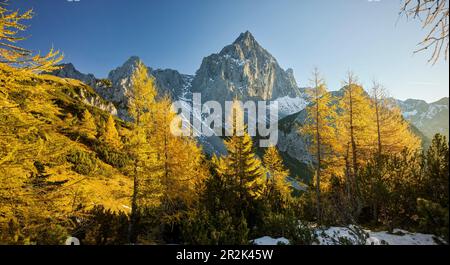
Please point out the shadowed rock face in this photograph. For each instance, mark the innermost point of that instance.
(244, 70)
(68, 71)
(291, 141)
(168, 82)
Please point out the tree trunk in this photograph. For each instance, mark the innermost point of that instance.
(131, 236)
(134, 205)
(377, 112)
(319, 214)
(356, 199)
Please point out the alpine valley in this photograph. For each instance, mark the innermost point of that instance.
(101, 160)
(243, 70)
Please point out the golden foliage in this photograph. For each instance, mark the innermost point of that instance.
(88, 125)
(277, 174)
(111, 135)
(11, 24)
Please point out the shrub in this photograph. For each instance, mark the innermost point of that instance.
(111, 156)
(288, 226)
(102, 227)
(433, 218)
(51, 234)
(203, 228)
(14, 233)
(83, 163)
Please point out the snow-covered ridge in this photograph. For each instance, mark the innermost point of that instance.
(286, 106)
(408, 114)
(290, 105)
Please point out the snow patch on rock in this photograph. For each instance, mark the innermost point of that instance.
(290, 105)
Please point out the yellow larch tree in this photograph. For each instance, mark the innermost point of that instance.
(146, 185)
(11, 24)
(27, 117)
(277, 188)
(111, 135)
(179, 163)
(320, 127)
(356, 135)
(88, 126)
(393, 131)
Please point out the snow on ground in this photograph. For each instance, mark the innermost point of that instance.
(269, 241)
(406, 239)
(357, 236)
(337, 235)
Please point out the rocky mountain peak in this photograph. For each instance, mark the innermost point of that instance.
(68, 70)
(244, 69)
(125, 70)
(68, 67)
(246, 39)
(245, 47)
(168, 82)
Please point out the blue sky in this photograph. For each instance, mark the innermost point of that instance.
(364, 36)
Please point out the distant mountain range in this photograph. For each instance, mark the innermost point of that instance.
(429, 118)
(247, 71)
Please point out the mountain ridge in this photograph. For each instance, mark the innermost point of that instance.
(243, 69)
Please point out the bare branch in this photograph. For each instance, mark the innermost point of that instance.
(436, 14)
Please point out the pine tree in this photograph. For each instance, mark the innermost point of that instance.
(88, 126)
(111, 136)
(241, 170)
(437, 174)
